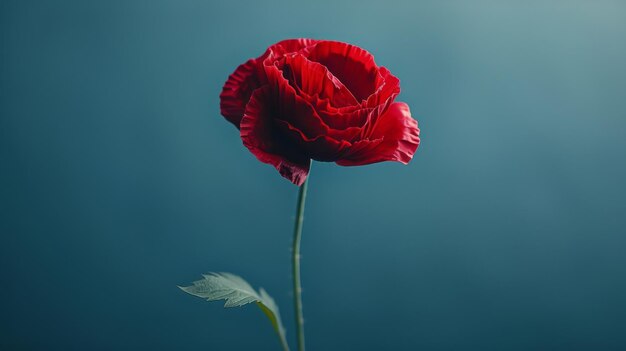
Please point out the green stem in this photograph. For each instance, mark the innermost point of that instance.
(295, 260)
(283, 343)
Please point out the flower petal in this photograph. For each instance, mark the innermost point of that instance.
(293, 108)
(314, 80)
(319, 148)
(291, 45)
(375, 105)
(353, 66)
(394, 137)
(300, 113)
(389, 86)
(249, 76)
(260, 135)
(237, 91)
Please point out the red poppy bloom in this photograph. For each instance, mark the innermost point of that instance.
(309, 99)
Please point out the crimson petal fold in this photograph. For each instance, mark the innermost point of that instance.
(353, 66)
(315, 80)
(395, 137)
(260, 135)
(237, 91)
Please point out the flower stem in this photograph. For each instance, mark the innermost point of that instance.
(295, 261)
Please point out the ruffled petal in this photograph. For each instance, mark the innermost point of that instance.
(249, 76)
(293, 108)
(314, 81)
(389, 86)
(367, 112)
(341, 119)
(394, 137)
(300, 113)
(291, 45)
(260, 135)
(237, 91)
(279, 50)
(319, 148)
(353, 66)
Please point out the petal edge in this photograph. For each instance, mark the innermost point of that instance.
(395, 137)
(265, 142)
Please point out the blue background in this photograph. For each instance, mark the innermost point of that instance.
(120, 180)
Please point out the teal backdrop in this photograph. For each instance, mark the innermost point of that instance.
(119, 179)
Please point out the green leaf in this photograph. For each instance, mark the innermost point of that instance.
(237, 292)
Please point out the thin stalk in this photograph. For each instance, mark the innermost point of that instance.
(295, 261)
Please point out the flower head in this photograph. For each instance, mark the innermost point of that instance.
(325, 100)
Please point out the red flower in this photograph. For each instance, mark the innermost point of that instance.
(315, 99)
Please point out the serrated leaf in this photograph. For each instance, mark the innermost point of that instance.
(237, 292)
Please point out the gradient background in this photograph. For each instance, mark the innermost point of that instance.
(120, 180)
